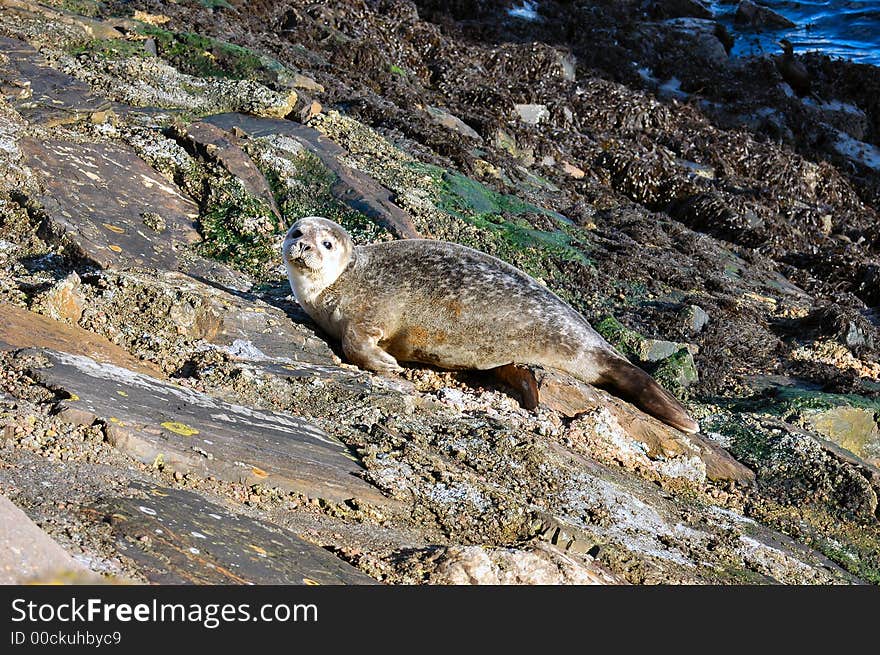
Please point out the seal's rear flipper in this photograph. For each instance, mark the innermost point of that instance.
(521, 379)
(633, 384)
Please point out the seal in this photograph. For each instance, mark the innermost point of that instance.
(444, 304)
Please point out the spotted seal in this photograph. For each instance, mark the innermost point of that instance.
(439, 303)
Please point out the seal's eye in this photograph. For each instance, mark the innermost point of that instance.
(296, 234)
(328, 245)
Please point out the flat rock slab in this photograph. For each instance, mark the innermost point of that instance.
(42, 94)
(20, 328)
(354, 188)
(29, 554)
(183, 430)
(97, 195)
(248, 327)
(178, 537)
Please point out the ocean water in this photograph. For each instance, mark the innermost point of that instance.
(840, 28)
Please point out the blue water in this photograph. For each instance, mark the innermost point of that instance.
(840, 28)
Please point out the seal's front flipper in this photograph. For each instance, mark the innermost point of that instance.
(361, 347)
(633, 384)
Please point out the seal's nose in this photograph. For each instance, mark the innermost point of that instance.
(304, 246)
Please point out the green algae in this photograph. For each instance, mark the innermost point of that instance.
(676, 373)
(503, 216)
(785, 402)
(851, 544)
(625, 340)
(215, 4)
(109, 49)
(228, 224)
(90, 8)
(202, 56)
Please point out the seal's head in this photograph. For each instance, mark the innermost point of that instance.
(315, 252)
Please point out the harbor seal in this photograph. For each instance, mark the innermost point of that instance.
(444, 304)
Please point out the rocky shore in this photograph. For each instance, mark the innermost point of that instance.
(168, 414)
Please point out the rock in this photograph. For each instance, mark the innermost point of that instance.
(20, 328)
(677, 371)
(634, 344)
(505, 141)
(178, 537)
(853, 428)
(357, 190)
(301, 81)
(755, 15)
(81, 25)
(452, 122)
(563, 393)
(532, 114)
(573, 170)
(150, 19)
(54, 97)
(539, 565)
(698, 37)
(174, 427)
(656, 350)
(242, 325)
(65, 300)
(95, 195)
(695, 318)
(223, 147)
(27, 554)
(680, 9)
(843, 116)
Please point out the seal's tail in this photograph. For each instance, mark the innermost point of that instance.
(633, 384)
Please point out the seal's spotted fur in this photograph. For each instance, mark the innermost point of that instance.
(444, 304)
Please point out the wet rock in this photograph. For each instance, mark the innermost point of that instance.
(178, 537)
(843, 116)
(27, 554)
(758, 16)
(173, 427)
(698, 37)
